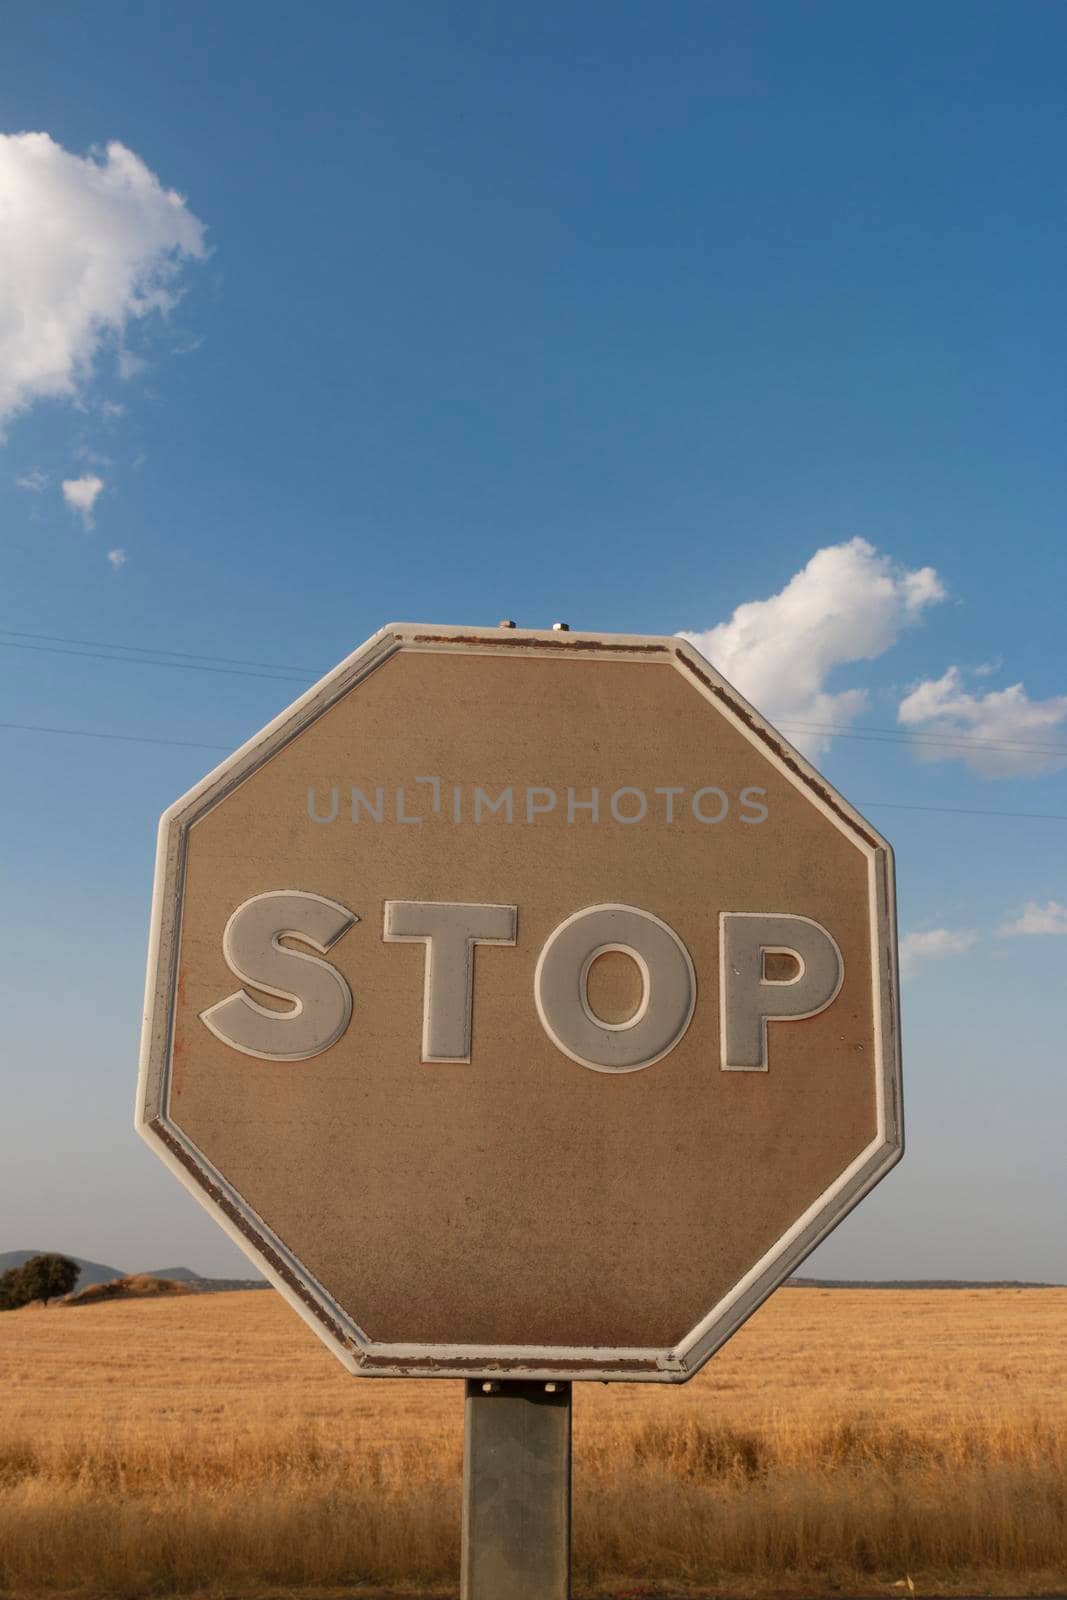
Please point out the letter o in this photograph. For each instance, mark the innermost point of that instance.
(667, 1002)
(638, 815)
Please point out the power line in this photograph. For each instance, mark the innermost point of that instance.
(961, 811)
(276, 672)
(145, 649)
(191, 744)
(126, 738)
(145, 661)
(905, 736)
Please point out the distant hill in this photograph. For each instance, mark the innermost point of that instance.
(89, 1272)
(914, 1283)
(209, 1285)
(205, 1285)
(96, 1272)
(136, 1287)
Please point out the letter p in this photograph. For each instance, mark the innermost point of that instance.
(749, 999)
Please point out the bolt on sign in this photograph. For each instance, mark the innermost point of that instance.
(523, 1005)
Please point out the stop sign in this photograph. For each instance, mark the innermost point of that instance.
(523, 1005)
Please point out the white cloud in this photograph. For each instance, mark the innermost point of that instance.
(94, 458)
(34, 481)
(1000, 734)
(937, 944)
(80, 494)
(848, 604)
(88, 245)
(117, 558)
(1035, 918)
(129, 365)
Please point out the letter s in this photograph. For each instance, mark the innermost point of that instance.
(321, 999)
(754, 805)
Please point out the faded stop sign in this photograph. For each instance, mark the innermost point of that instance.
(523, 1005)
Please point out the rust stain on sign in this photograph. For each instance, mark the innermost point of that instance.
(573, 643)
(779, 749)
(241, 1222)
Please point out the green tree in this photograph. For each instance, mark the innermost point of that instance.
(46, 1277)
(12, 1289)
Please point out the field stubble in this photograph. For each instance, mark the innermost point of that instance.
(844, 1440)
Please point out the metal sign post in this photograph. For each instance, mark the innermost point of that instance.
(517, 1491)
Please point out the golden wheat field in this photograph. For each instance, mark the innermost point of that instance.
(844, 1441)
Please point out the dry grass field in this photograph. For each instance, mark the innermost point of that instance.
(845, 1441)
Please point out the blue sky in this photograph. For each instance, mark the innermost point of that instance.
(630, 315)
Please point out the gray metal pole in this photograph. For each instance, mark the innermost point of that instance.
(517, 1491)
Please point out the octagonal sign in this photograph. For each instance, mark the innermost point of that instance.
(522, 1004)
